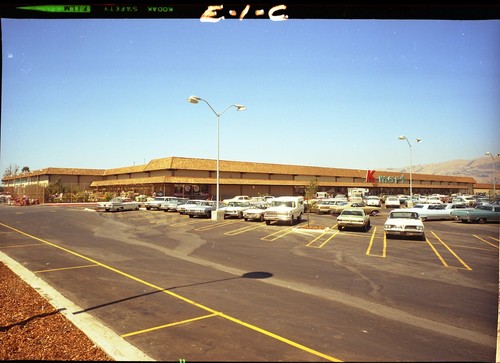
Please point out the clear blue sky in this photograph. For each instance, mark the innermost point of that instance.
(102, 93)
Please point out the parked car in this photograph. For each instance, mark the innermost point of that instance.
(171, 205)
(404, 223)
(156, 202)
(203, 209)
(481, 214)
(436, 211)
(285, 209)
(371, 210)
(353, 218)
(118, 204)
(467, 199)
(182, 208)
(255, 213)
(373, 200)
(237, 198)
(324, 206)
(392, 201)
(235, 209)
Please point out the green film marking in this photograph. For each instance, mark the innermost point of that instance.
(58, 8)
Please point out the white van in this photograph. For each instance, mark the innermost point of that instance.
(286, 209)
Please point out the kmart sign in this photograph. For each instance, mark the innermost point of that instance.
(370, 178)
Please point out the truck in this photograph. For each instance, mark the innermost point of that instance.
(357, 194)
(286, 209)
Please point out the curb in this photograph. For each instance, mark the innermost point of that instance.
(106, 339)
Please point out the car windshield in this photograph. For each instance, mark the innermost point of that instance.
(352, 213)
(407, 215)
(279, 203)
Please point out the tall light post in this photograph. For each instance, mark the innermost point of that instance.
(196, 99)
(494, 175)
(402, 137)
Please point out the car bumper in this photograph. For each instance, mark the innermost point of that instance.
(398, 232)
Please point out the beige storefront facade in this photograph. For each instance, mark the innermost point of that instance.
(196, 178)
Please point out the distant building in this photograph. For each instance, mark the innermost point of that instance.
(193, 177)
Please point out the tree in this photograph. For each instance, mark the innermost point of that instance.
(25, 169)
(11, 170)
(311, 190)
(55, 188)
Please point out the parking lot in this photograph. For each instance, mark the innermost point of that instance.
(196, 289)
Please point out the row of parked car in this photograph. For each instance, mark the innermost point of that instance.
(269, 209)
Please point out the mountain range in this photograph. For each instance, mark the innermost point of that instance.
(480, 169)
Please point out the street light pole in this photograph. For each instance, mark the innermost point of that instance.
(195, 99)
(494, 174)
(402, 137)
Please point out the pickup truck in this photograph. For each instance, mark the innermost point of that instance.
(481, 214)
(285, 209)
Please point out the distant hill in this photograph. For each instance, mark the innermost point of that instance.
(480, 169)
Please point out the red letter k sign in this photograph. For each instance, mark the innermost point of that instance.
(369, 176)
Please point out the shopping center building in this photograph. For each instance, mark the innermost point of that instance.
(196, 178)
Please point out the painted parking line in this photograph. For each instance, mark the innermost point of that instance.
(467, 267)
(184, 299)
(278, 234)
(245, 229)
(216, 225)
(64, 268)
(370, 245)
(322, 239)
(485, 241)
(23, 245)
(167, 325)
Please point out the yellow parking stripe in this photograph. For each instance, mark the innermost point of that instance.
(182, 298)
(384, 247)
(244, 229)
(436, 252)
(167, 325)
(278, 234)
(319, 238)
(24, 245)
(64, 268)
(481, 239)
(453, 253)
(216, 225)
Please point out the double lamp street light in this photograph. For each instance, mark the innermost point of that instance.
(494, 175)
(402, 137)
(196, 99)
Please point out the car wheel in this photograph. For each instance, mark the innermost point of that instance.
(268, 222)
(423, 219)
(261, 218)
(482, 220)
(423, 237)
(299, 218)
(340, 228)
(374, 212)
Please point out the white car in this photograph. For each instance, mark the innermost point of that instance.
(255, 213)
(118, 204)
(156, 202)
(402, 222)
(238, 198)
(182, 208)
(235, 209)
(436, 211)
(392, 202)
(172, 204)
(373, 200)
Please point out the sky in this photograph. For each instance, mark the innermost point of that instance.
(108, 93)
